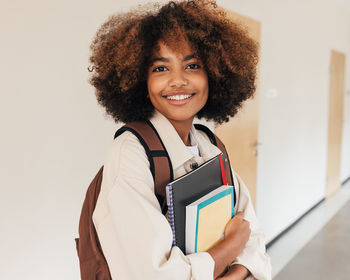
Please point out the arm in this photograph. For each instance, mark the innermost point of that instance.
(237, 232)
(236, 272)
(254, 256)
(135, 236)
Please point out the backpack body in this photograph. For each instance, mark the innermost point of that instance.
(93, 265)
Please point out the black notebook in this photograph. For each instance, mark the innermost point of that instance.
(187, 189)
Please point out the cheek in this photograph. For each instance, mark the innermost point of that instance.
(149, 85)
(203, 84)
(154, 86)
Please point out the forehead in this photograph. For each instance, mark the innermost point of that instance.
(181, 49)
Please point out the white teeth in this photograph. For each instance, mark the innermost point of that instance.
(178, 97)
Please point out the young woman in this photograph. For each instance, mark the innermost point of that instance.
(169, 64)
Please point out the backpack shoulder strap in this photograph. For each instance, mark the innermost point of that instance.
(158, 157)
(217, 142)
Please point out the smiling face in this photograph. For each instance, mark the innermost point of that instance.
(177, 84)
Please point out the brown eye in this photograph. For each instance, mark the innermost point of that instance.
(159, 69)
(193, 66)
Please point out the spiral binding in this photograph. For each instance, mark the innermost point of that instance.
(171, 213)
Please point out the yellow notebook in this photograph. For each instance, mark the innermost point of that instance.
(206, 219)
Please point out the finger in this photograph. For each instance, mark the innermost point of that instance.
(240, 215)
(245, 224)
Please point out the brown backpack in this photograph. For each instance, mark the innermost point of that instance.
(93, 265)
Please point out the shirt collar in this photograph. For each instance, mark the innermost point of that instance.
(176, 148)
(206, 149)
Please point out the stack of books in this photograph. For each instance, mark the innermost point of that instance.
(200, 204)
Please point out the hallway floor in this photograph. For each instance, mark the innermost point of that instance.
(318, 247)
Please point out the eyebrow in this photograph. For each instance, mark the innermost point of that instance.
(163, 59)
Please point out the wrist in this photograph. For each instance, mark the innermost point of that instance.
(236, 272)
(223, 255)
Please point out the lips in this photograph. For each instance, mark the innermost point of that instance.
(179, 96)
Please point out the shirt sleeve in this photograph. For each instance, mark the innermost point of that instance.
(135, 236)
(254, 256)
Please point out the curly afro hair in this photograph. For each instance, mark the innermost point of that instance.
(123, 46)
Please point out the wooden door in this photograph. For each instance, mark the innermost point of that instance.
(335, 120)
(240, 134)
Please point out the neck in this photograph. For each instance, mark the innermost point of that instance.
(183, 129)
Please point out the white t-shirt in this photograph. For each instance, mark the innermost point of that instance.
(194, 146)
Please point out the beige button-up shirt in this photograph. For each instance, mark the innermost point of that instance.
(136, 237)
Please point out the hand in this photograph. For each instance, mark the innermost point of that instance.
(237, 231)
(236, 272)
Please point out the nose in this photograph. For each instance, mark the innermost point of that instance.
(178, 79)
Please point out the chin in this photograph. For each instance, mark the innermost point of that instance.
(181, 117)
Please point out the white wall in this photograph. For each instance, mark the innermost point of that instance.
(54, 136)
(345, 163)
